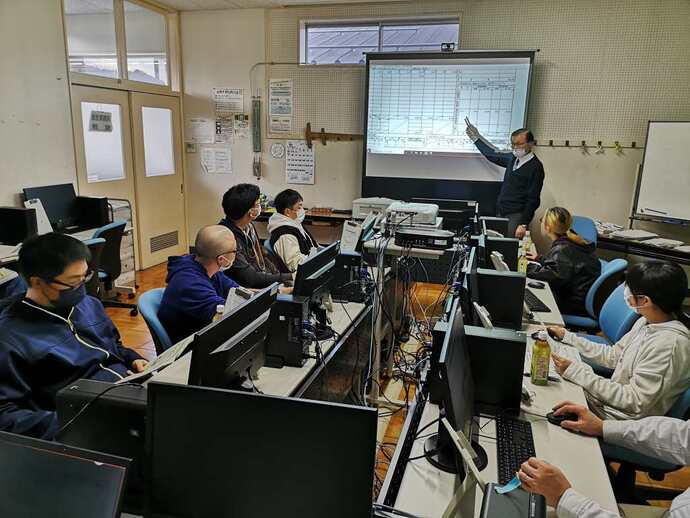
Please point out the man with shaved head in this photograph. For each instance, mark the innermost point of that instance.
(197, 284)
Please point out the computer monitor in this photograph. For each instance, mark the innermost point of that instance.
(496, 224)
(41, 478)
(507, 247)
(228, 353)
(316, 272)
(59, 202)
(497, 357)
(457, 396)
(235, 454)
(503, 296)
(483, 260)
(368, 229)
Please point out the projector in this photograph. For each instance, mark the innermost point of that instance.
(401, 212)
(424, 238)
(361, 207)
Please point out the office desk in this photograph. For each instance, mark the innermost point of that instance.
(7, 256)
(297, 381)
(425, 491)
(553, 317)
(631, 247)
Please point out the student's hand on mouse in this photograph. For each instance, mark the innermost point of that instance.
(560, 363)
(139, 365)
(586, 423)
(520, 231)
(557, 331)
(544, 479)
(285, 290)
(471, 130)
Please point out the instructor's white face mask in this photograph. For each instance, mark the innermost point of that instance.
(300, 215)
(519, 152)
(627, 295)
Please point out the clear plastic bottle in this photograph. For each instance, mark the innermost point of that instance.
(220, 309)
(541, 354)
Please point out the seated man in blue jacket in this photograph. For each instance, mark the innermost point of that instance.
(197, 284)
(54, 335)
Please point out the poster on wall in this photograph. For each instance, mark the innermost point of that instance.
(228, 101)
(216, 159)
(299, 162)
(199, 131)
(280, 105)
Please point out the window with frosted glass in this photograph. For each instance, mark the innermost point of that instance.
(145, 34)
(159, 157)
(102, 125)
(90, 29)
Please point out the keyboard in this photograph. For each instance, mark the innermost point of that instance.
(534, 304)
(514, 445)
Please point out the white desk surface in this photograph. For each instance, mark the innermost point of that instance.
(425, 491)
(277, 382)
(393, 249)
(554, 316)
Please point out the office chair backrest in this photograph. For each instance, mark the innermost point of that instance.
(611, 276)
(681, 408)
(585, 227)
(149, 303)
(267, 246)
(95, 246)
(616, 318)
(110, 258)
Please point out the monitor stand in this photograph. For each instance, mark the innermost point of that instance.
(440, 452)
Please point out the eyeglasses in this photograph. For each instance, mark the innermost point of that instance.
(228, 252)
(87, 277)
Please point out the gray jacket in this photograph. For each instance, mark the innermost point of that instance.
(664, 438)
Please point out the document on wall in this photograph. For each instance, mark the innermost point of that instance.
(199, 131)
(299, 162)
(281, 108)
(216, 159)
(228, 101)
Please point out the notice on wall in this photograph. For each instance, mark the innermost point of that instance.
(299, 162)
(241, 126)
(280, 105)
(228, 101)
(101, 121)
(224, 130)
(216, 159)
(199, 131)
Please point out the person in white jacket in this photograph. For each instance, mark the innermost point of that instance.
(663, 438)
(291, 242)
(651, 362)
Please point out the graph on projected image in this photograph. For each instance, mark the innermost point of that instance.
(421, 109)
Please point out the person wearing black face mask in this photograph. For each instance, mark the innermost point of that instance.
(54, 335)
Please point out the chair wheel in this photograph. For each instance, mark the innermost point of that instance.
(134, 312)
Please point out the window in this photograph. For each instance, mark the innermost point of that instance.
(93, 48)
(102, 142)
(157, 123)
(329, 44)
(146, 45)
(90, 27)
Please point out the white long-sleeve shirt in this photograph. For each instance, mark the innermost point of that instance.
(663, 438)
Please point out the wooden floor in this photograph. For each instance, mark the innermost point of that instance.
(135, 335)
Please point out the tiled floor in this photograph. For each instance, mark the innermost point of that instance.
(135, 334)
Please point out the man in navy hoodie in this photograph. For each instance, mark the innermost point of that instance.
(54, 335)
(197, 284)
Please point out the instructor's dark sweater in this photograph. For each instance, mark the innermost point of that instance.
(521, 189)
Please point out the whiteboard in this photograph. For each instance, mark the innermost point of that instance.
(664, 190)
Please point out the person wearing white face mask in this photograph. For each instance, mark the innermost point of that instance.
(651, 362)
(197, 284)
(291, 242)
(520, 193)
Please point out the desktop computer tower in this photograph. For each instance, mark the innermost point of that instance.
(91, 212)
(285, 344)
(347, 285)
(434, 385)
(17, 224)
(114, 423)
(497, 357)
(503, 296)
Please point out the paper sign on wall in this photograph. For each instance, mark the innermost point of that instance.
(216, 160)
(299, 162)
(199, 131)
(228, 101)
(280, 105)
(101, 121)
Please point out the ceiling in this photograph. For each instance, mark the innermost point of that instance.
(197, 5)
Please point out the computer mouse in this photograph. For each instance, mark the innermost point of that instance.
(536, 284)
(558, 419)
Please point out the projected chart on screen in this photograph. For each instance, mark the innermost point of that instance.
(420, 109)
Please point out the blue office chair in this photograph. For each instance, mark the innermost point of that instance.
(149, 303)
(111, 265)
(585, 227)
(268, 246)
(95, 246)
(611, 276)
(632, 461)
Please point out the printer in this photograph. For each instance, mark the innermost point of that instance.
(361, 207)
(400, 212)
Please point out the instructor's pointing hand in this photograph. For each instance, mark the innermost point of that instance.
(471, 130)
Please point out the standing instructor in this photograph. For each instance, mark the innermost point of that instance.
(524, 176)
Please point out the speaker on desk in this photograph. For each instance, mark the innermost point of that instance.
(17, 224)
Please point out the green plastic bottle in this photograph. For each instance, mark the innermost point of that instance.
(541, 354)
